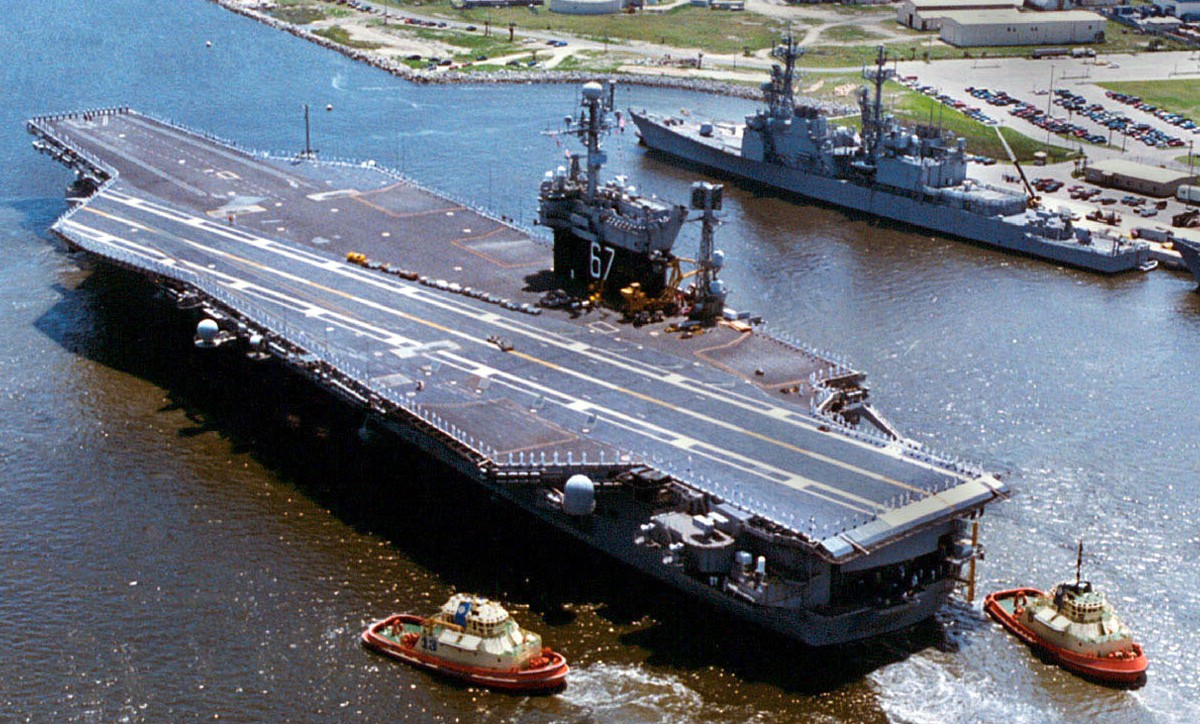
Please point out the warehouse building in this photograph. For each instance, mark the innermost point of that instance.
(585, 7)
(1183, 9)
(1071, 4)
(1009, 27)
(1137, 177)
(927, 14)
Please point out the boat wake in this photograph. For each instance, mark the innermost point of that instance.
(628, 693)
(924, 688)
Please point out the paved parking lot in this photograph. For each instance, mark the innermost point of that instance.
(1045, 98)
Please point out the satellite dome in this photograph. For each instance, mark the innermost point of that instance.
(579, 496)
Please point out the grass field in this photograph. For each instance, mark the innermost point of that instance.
(341, 36)
(850, 34)
(595, 61)
(472, 45)
(298, 12)
(1178, 96)
(684, 27)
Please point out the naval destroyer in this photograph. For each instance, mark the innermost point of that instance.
(917, 176)
(1190, 251)
(743, 468)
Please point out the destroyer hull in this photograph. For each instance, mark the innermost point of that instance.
(1190, 251)
(991, 231)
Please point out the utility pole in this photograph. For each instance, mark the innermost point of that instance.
(308, 152)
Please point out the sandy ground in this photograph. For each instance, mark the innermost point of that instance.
(812, 22)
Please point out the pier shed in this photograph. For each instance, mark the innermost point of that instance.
(586, 7)
(1137, 177)
(1182, 9)
(928, 14)
(1009, 27)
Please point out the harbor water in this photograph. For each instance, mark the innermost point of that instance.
(187, 536)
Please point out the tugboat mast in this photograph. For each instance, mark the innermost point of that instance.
(1079, 565)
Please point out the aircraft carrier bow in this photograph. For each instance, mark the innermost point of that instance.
(740, 467)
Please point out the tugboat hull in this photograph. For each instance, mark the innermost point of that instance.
(551, 676)
(1130, 669)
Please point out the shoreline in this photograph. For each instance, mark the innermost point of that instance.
(449, 77)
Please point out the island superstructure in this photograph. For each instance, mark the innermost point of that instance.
(916, 176)
(740, 467)
(605, 235)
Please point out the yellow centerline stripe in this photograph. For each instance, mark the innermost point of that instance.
(735, 428)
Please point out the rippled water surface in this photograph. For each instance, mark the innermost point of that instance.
(182, 536)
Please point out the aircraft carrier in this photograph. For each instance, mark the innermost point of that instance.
(741, 467)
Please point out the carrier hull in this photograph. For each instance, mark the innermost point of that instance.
(701, 455)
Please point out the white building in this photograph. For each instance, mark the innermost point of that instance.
(1183, 9)
(1137, 177)
(1161, 25)
(1009, 27)
(1069, 4)
(585, 7)
(927, 14)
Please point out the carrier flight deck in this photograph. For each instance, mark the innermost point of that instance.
(735, 465)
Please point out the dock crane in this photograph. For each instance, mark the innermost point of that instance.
(1032, 200)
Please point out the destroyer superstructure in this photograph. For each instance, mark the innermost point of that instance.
(917, 176)
(739, 467)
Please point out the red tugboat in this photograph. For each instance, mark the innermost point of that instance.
(1074, 625)
(472, 639)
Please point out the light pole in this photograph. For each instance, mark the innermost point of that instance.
(1049, 100)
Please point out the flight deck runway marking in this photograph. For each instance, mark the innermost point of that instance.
(245, 160)
(608, 356)
(573, 346)
(144, 166)
(362, 199)
(792, 479)
(667, 436)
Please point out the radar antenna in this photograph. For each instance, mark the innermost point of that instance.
(597, 104)
(873, 120)
(778, 91)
